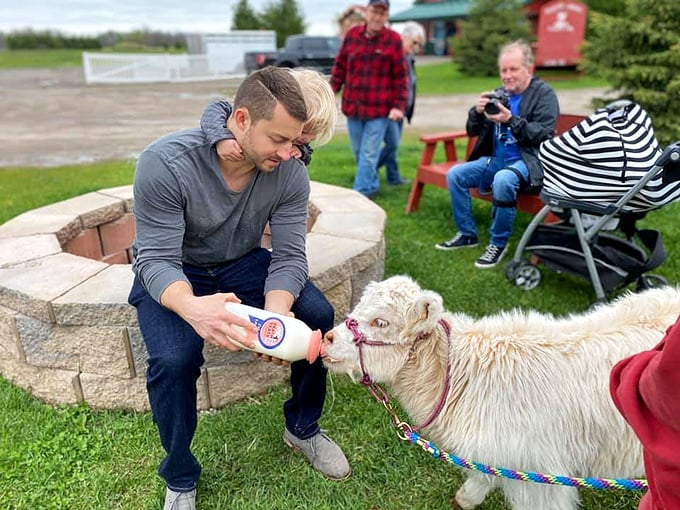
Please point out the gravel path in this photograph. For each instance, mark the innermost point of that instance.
(51, 117)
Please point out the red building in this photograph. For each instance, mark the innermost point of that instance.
(560, 27)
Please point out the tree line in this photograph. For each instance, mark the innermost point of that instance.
(29, 39)
(284, 17)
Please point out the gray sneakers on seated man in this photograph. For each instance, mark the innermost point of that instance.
(180, 500)
(324, 455)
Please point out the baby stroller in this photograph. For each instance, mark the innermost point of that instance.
(604, 174)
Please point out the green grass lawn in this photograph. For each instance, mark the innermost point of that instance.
(40, 58)
(16, 59)
(22, 189)
(77, 458)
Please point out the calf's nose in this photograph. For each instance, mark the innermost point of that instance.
(327, 339)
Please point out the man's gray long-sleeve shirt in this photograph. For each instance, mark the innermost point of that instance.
(185, 213)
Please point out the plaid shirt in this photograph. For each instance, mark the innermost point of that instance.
(372, 73)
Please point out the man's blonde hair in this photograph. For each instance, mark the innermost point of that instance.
(322, 111)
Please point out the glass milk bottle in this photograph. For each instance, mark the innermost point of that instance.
(278, 335)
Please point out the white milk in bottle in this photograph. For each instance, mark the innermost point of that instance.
(278, 335)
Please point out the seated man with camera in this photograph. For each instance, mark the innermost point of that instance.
(510, 123)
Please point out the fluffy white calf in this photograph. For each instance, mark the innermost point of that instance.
(526, 391)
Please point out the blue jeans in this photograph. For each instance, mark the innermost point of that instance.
(366, 138)
(388, 155)
(175, 359)
(486, 173)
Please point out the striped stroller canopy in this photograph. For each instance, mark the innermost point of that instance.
(603, 156)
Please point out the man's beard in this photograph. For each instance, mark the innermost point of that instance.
(252, 157)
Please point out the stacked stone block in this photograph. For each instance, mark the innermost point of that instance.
(67, 334)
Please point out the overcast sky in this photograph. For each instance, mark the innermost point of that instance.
(92, 17)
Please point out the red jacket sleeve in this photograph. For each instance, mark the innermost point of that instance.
(646, 390)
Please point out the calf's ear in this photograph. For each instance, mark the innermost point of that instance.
(422, 315)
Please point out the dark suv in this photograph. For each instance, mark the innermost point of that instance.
(311, 51)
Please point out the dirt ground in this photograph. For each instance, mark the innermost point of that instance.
(50, 117)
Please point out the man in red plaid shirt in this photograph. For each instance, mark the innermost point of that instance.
(371, 71)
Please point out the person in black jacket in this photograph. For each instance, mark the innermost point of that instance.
(510, 123)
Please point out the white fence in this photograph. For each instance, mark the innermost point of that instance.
(221, 57)
(148, 68)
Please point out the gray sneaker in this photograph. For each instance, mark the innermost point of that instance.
(324, 455)
(180, 500)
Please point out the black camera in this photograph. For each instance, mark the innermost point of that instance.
(496, 98)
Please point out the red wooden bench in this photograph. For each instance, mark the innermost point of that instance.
(431, 172)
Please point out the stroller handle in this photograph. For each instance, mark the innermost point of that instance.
(671, 153)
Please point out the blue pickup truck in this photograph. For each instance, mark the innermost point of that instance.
(310, 51)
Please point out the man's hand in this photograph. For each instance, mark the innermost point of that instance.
(229, 150)
(218, 326)
(395, 115)
(503, 116)
(481, 102)
(277, 301)
(208, 316)
(270, 359)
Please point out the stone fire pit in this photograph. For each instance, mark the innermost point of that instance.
(67, 334)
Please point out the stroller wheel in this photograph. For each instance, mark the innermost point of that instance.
(650, 281)
(526, 276)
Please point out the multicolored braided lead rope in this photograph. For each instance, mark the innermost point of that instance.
(527, 476)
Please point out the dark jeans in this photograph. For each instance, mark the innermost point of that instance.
(175, 359)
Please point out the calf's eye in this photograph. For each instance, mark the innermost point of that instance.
(379, 323)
